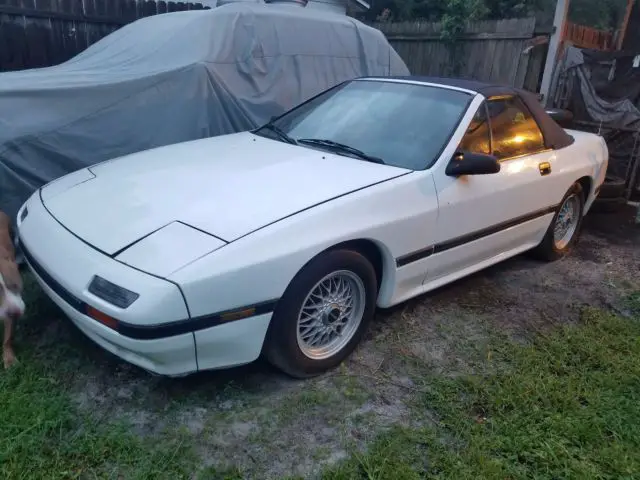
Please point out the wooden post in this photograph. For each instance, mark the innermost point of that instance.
(625, 24)
(559, 26)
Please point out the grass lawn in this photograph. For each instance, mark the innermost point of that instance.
(565, 406)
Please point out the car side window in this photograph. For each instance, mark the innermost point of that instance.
(515, 131)
(477, 138)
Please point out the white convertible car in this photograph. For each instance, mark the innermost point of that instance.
(282, 241)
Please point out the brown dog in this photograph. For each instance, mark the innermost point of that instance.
(11, 304)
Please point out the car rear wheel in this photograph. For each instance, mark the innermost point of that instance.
(323, 314)
(564, 231)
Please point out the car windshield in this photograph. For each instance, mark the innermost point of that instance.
(400, 124)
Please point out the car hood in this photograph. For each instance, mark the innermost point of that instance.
(226, 186)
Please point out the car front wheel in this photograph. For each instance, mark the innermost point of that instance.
(323, 314)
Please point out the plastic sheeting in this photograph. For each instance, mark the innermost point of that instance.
(175, 77)
(577, 70)
(601, 89)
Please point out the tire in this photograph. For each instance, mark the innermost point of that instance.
(551, 250)
(613, 187)
(287, 349)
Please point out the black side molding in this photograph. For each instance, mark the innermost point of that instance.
(165, 330)
(471, 237)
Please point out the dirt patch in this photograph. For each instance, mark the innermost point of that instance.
(271, 426)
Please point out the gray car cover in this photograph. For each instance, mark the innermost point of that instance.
(175, 77)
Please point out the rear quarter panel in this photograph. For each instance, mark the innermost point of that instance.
(588, 156)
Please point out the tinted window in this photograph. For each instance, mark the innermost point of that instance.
(515, 131)
(478, 137)
(405, 125)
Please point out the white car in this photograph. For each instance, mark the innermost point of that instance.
(284, 240)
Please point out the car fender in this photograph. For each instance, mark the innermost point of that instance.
(397, 216)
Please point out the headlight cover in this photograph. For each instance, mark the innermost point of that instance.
(169, 249)
(112, 293)
(23, 214)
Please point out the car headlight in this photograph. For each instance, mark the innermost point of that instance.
(112, 293)
(23, 213)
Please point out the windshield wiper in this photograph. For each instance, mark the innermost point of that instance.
(278, 131)
(341, 147)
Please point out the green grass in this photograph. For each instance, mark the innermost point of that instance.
(567, 406)
(632, 303)
(43, 436)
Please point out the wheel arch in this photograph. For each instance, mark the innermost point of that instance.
(586, 183)
(378, 254)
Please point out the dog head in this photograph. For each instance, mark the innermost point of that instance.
(11, 302)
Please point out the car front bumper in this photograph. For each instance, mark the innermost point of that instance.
(64, 265)
(172, 356)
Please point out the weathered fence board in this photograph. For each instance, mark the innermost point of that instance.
(495, 51)
(41, 33)
(587, 37)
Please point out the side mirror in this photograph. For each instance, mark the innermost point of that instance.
(562, 117)
(466, 163)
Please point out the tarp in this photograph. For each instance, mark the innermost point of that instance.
(602, 88)
(175, 77)
(580, 66)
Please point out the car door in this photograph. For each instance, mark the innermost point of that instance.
(483, 218)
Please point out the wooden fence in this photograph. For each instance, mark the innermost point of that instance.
(40, 33)
(504, 51)
(587, 37)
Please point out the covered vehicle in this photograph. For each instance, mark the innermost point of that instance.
(374, 192)
(175, 77)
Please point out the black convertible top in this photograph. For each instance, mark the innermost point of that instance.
(555, 137)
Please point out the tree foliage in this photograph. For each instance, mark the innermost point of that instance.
(604, 14)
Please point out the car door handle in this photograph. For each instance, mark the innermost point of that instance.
(545, 168)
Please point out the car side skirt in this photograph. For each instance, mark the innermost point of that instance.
(471, 237)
